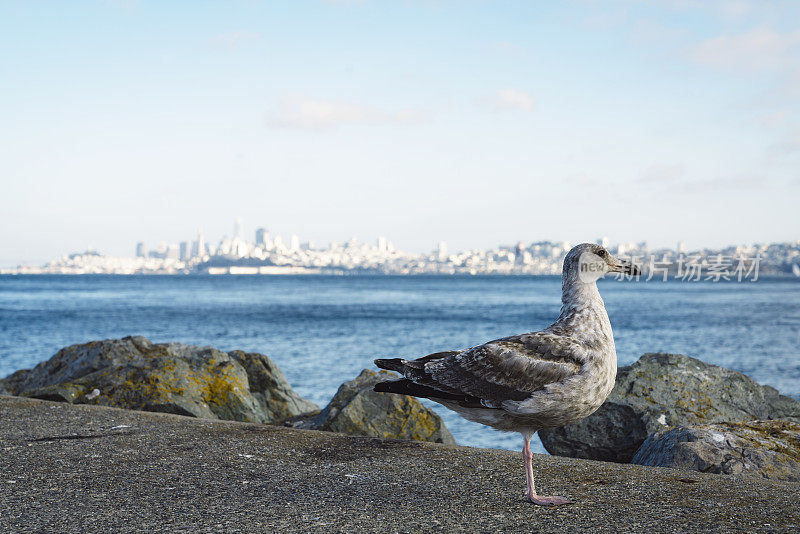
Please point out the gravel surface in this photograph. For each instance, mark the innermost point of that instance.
(79, 468)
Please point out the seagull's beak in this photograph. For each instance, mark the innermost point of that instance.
(625, 267)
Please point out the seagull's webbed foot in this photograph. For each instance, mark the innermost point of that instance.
(548, 501)
(531, 491)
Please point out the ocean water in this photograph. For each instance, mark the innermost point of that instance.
(323, 330)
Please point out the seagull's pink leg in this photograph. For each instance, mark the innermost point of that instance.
(531, 493)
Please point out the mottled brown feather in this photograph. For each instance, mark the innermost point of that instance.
(506, 369)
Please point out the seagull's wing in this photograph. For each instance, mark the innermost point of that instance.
(508, 369)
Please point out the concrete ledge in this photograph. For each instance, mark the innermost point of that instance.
(85, 468)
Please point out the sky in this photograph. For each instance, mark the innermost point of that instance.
(477, 123)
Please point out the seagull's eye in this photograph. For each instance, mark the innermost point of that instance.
(602, 253)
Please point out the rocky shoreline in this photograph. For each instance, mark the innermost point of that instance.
(672, 410)
(136, 374)
(666, 410)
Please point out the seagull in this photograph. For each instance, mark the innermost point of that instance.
(527, 382)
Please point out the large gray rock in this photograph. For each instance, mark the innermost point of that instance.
(662, 391)
(359, 411)
(763, 449)
(136, 374)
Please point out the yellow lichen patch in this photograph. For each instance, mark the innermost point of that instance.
(217, 390)
(782, 437)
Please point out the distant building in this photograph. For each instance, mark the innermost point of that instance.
(141, 250)
(201, 245)
(603, 242)
(159, 252)
(172, 252)
(183, 254)
(519, 253)
(238, 229)
(681, 247)
(294, 242)
(441, 250)
(382, 244)
(240, 249)
(262, 236)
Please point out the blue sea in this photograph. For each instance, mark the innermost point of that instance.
(323, 330)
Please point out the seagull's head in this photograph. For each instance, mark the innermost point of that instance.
(586, 263)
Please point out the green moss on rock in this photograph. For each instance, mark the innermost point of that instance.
(357, 410)
(661, 391)
(136, 374)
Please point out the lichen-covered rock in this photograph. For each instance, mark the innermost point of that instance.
(136, 374)
(764, 449)
(359, 411)
(661, 391)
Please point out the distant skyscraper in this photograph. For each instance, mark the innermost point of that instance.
(172, 252)
(201, 243)
(294, 242)
(441, 250)
(382, 244)
(183, 254)
(519, 253)
(681, 248)
(238, 229)
(262, 236)
(141, 251)
(603, 242)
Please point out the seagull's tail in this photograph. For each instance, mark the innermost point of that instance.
(391, 364)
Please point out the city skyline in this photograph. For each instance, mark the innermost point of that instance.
(468, 122)
(246, 236)
(268, 254)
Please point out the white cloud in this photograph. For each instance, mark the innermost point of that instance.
(301, 111)
(513, 99)
(723, 183)
(736, 8)
(788, 147)
(663, 174)
(674, 178)
(775, 119)
(757, 49)
(231, 40)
